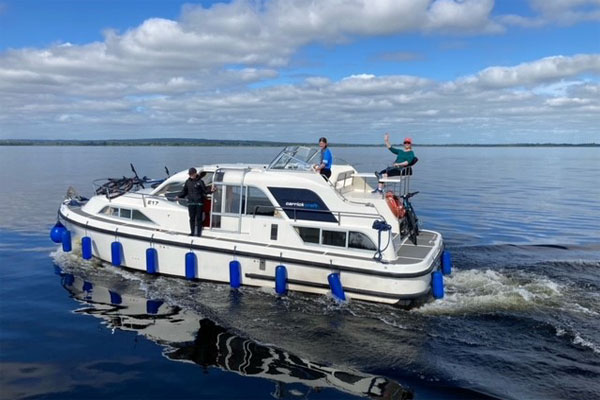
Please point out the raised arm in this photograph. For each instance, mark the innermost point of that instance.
(386, 138)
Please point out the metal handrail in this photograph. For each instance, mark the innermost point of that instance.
(338, 213)
(144, 197)
(400, 186)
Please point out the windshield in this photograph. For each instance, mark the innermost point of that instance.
(296, 157)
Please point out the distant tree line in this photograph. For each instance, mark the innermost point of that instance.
(248, 143)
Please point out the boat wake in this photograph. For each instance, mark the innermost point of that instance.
(536, 284)
(475, 291)
(550, 301)
(575, 338)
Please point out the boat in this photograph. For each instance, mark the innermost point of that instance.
(280, 225)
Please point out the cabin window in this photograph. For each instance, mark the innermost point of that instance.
(137, 215)
(219, 176)
(207, 178)
(217, 199)
(110, 211)
(233, 198)
(309, 235)
(333, 238)
(217, 203)
(355, 240)
(274, 231)
(227, 201)
(171, 190)
(358, 240)
(125, 213)
(258, 203)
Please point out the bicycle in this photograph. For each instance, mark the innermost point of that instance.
(411, 221)
(115, 187)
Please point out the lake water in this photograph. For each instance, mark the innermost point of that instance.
(520, 320)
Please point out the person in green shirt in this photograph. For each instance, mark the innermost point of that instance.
(404, 158)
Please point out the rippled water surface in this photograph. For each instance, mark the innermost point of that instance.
(521, 316)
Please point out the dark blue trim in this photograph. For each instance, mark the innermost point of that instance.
(302, 204)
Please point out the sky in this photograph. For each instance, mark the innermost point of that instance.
(439, 71)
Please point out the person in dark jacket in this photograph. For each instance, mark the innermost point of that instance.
(195, 191)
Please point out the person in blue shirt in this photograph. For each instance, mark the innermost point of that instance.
(404, 158)
(324, 167)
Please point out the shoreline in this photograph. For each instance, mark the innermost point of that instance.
(235, 143)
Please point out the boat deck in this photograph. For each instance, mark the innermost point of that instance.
(410, 253)
(361, 190)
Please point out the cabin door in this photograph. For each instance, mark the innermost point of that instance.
(228, 200)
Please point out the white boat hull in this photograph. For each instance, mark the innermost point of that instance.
(362, 278)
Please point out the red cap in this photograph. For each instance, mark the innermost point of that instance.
(409, 140)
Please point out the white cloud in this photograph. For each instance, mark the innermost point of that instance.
(566, 101)
(467, 15)
(539, 71)
(353, 109)
(193, 77)
(563, 12)
(251, 33)
(197, 52)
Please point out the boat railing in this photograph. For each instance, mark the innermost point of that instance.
(399, 184)
(352, 181)
(296, 210)
(115, 187)
(144, 196)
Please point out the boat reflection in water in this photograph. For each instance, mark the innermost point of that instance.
(189, 336)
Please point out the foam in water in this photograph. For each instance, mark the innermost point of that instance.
(395, 324)
(578, 339)
(489, 290)
(586, 343)
(570, 307)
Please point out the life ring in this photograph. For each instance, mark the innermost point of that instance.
(395, 205)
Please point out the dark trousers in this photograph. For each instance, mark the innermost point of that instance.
(326, 172)
(195, 211)
(396, 171)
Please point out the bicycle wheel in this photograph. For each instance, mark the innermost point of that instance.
(121, 187)
(413, 223)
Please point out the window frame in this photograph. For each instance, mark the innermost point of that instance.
(357, 248)
(118, 214)
(297, 230)
(163, 191)
(246, 210)
(345, 232)
(347, 242)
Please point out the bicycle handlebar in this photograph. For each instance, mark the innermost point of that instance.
(409, 195)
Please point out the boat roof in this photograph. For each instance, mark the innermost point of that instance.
(183, 175)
